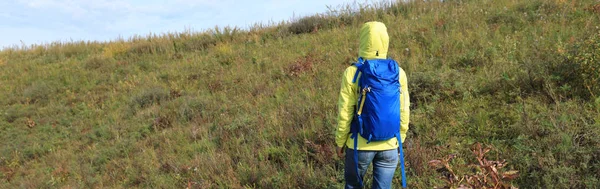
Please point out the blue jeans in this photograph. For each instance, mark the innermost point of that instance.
(384, 166)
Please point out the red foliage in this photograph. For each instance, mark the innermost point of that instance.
(489, 174)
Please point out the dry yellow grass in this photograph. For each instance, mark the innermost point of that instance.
(115, 48)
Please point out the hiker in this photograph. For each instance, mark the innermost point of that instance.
(366, 113)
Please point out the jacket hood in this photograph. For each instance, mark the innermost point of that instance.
(374, 41)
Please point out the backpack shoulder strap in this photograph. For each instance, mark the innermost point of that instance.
(400, 70)
(358, 65)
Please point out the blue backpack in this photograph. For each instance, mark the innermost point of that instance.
(377, 116)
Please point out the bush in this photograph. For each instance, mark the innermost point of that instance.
(309, 24)
(149, 97)
(469, 61)
(578, 74)
(147, 47)
(115, 49)
(197, 42)
(38, 92)
(430, 87)
(191, 108)
(227, 34)
(511, 22)
(535, 10)
(96, 62)
(594, 8)
(13, 113)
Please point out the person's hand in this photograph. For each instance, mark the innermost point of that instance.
(340, 152)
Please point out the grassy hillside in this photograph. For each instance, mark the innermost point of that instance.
(228, 108)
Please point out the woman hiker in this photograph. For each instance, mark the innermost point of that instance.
(364, 111)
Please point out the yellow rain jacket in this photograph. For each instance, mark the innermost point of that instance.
(374, 41)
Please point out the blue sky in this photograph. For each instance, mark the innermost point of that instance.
(45, 21)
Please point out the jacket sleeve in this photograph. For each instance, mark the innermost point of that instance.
(346, 102)
(405, 106)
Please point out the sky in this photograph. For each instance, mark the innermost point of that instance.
(45, 21)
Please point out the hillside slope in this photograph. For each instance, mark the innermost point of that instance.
(230, 109)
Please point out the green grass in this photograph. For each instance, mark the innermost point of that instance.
(230, 108)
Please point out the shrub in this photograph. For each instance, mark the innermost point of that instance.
(427, 87)
(97, 62)
(301, 65)
(147, 47)
(469, 61)
(191, 108)
(224, 53)
(38, 92)
(148, 97)
(73, 50)
(510, 22)
(115, 49)
(310, 24)
(594, 8)
(227, 34)
(197, 42)
(578, 74)
(17, 111)
(535, 10)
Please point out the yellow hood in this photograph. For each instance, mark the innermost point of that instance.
(374, 41)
